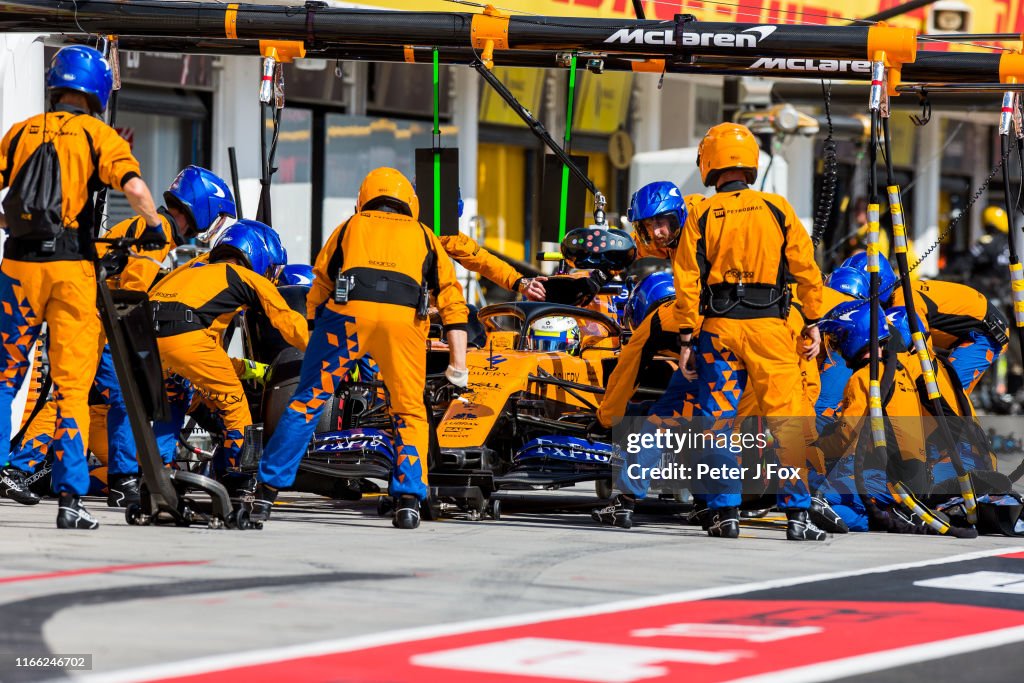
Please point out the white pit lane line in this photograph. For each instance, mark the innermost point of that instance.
(806, 674)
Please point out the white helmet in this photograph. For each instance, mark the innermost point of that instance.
(554, 333)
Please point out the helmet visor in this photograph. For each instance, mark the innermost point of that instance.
(274, 274)
(548, 341)
(216, 228)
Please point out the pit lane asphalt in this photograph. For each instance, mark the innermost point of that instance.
(323, 569)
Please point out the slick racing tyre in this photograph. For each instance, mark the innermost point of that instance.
(282, 379)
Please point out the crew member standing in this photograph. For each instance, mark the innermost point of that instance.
(197, 201)
(374, 279)
(738, 250)
(53, 163)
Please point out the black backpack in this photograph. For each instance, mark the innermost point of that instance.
(33, 204)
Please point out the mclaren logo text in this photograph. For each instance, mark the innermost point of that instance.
(746, 38)
(829, 65)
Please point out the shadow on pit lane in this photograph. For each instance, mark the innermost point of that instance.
(519, 510)
(21, 629)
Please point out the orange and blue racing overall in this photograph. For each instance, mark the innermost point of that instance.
(906, 437)
(192, 308)
(738, 250)
(54, 281)
(655, 335)
(832, 368)
(964, 323)
(141, 272)
(388, 265)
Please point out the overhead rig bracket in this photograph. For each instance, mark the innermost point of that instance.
(283, 51)
(488, 31)
(893, 47)
(1011, 68)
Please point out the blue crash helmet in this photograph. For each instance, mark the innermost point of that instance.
(655, 199)
(651, 292)
(297, 274)
(554, 333)
(886, 276)
(278, 254)
(897, 317)
(849, 281)
(849, 331)
(84, 70)
(203, 196)
(256, 244)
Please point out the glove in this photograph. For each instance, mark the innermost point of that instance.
(589, 287)
(114, 262)
(152, 238)
(254, 371)
(458, 378)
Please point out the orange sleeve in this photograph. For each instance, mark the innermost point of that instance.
(450, 300)
(143, 266)
(622, 381)
(471, 256)
(800, 260)
(687, 273)
(116, 164)
(322, 284)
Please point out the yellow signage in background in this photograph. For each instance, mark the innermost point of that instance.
(902, 129)
(620, 150)
(603, 102)
(526, 84)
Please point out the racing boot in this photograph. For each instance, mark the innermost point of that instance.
(799, 527)
(619, 513)
(14, 486)
(407, 514)
(825, 518)
(72, 514)
(259, 508)
(723, 522)
(123, 490)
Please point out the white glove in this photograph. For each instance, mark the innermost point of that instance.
(459, 378)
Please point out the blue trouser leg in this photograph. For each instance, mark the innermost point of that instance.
(972, 359)
(672, 404)
(120, 440)
(179, 395)
(18, 332)
(721, 379)
(226, 455)
(31, 453)
(942, 467)
(322, 367)
(67, 443)
(834, 377)
(407, 474)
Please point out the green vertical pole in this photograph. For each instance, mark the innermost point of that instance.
(565, 145)
(437, 144)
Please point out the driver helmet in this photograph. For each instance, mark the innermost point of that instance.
(555, 333)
